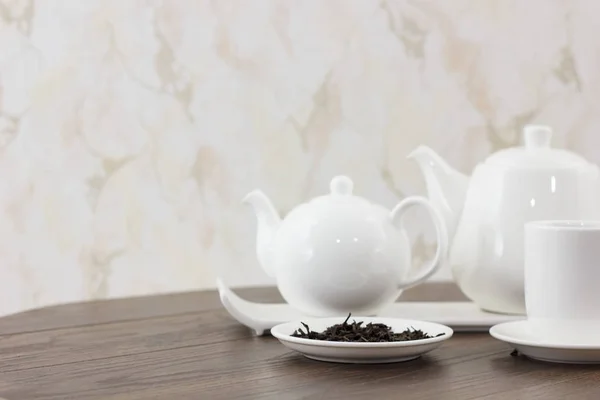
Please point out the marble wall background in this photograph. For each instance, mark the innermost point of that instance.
(130, 129)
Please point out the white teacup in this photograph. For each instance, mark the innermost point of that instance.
(562, 280)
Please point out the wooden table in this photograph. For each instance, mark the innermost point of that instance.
(186, 346)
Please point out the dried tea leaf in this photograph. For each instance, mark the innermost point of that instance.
(357, 332)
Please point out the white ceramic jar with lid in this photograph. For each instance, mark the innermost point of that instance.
(486, 213)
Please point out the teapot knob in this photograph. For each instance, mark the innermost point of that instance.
(537, 136)
(341, 185)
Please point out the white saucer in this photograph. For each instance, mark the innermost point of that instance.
(461, 316)
(519, 335)
(362, 353)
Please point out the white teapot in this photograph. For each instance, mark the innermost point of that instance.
(485, 215)
(339, 253)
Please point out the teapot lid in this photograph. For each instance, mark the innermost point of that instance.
(340, 192)
(536, 152)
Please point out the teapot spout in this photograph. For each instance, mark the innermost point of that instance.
(268, 224)
(446, 187)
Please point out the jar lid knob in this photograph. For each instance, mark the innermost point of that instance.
(537, 136)
(341, 185)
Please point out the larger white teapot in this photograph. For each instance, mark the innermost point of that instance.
(339, 253)
(485, 215)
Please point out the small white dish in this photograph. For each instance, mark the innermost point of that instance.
(521, 336)
(362, 353)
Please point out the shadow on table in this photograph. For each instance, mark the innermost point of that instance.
(517, 363)
(298, 364)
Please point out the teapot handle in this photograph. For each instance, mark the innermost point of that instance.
(433, 265)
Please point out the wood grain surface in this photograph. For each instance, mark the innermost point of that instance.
(186, 346)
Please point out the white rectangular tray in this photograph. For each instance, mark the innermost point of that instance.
(460, 316)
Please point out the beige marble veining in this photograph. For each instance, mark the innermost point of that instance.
(131, 129)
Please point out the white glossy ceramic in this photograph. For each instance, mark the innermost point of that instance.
(339, 253)
(461, 316)
(521, 336)
(362, 353)
(562, 276)
(485, 214)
